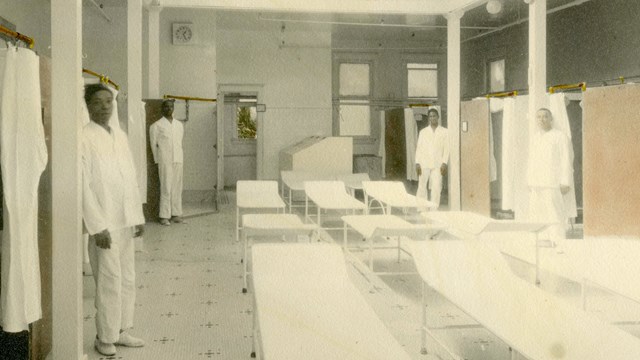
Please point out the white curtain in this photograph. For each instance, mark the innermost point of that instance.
(138, 144)
(558, 105)
(23, 157)
(411, 141)
(381, 146)
(496, 105)
(515, 152)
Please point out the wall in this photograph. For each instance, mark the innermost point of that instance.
(389, 75)
(32, 18)
(104, 49)
(190, 70)
(592, 42)
(296, 79)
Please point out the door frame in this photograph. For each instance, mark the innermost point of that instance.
(220, 141)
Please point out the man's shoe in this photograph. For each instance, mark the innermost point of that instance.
(104, 348)
(165, 222)
(177, 220)
(129, 341)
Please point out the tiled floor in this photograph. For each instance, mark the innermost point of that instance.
(190, 305)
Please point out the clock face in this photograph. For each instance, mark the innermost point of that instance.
(182, 33)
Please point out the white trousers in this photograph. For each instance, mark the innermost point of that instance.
(546, 205)
(170, 190)
(433, 178)
(115, 277)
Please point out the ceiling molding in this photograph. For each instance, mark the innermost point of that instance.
(424, 7)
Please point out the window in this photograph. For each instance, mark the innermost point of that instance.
(246, 120)
(422, 80)
(496, 76)
(354, 99)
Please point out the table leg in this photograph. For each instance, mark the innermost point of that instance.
(423, 329)
(244, 264)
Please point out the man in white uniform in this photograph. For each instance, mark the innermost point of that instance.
(112, 213)
(165, 136)
(549, 176)
(432, 155)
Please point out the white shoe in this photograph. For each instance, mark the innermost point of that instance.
(129, 341)
(105, 349)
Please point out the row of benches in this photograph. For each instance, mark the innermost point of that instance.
(306, 307)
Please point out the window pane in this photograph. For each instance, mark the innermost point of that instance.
(355, 120)
(354, 79)
(422, 83)
(496, 76)
(246, 122)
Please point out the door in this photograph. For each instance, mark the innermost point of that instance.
(240, 132)
(238, 157)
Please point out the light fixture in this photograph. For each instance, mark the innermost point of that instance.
(494, 6)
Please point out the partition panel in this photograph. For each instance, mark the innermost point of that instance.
(611, 160)
(474, 157)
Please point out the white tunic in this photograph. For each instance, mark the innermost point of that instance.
(23, 158)
(550, 161)
(166, 141)
(111, 198)
(433, 147)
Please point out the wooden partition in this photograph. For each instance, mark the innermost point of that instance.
(474, 157)
(153, 109)
(395, 145)
(611, 160)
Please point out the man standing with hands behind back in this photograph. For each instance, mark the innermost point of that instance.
(165, 136)
(432, 155)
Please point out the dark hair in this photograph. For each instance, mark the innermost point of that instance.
(433, 110)
(172, 101)
(91, 89)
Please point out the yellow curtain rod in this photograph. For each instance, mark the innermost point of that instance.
(18, 36)
(580, 85)
(188, 98)
(502, 94)
(103, 78)
(420, 105)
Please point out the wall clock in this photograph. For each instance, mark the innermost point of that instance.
(183, 33)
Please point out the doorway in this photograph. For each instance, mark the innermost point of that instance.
(240, 141)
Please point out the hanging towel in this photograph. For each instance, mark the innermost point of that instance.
(411, 141)
(23, 156)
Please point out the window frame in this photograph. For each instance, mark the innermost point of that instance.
(406, 81)
(340, 58)
(488, 73)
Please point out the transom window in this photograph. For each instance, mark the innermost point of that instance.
(422, 80)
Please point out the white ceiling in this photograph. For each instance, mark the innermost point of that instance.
(377, 20)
